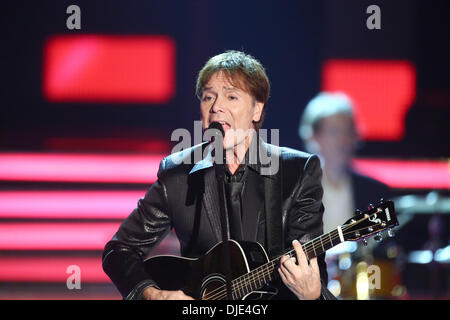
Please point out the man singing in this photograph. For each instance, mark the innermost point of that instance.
(271, 207)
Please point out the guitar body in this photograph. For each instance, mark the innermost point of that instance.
(200, 278)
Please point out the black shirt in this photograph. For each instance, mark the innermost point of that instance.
(234, 187)
(245, 198)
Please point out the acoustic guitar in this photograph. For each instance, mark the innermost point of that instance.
(251, 270)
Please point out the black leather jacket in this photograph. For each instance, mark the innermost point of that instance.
(184, 198)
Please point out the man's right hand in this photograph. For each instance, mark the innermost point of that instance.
(152, 293)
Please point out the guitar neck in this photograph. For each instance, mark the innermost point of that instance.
(265, 273)
(319, 245)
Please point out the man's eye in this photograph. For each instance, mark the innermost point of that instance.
(232, 97)
(207, 98)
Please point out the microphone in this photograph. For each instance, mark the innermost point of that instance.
(216, 130)
(215, 134)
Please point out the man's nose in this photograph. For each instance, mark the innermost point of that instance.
(218, 105)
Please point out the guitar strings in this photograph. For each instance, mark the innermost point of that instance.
(222, 295)
(259, 271)
(253, 275)
(265, 269)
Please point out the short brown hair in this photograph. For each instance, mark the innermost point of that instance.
(243, 71)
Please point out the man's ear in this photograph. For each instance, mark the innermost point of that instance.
(257, 111)
(312, 146)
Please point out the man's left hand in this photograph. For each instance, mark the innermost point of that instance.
(302, 279)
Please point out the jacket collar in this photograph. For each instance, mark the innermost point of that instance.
(257, 147)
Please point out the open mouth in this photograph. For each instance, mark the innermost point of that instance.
(226, 126)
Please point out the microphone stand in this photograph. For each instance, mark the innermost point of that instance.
(220, 177)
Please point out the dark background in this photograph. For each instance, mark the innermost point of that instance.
(291, 38)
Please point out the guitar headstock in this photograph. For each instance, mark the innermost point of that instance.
(371, 222)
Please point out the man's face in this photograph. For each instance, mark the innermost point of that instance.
(234, 108)
(336, 137)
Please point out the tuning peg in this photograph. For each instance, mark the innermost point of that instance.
(382, 200)
(370, 207)
(364, 242)
(378, 237)
(391, 233)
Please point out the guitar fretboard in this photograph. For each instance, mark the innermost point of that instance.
(265, 273)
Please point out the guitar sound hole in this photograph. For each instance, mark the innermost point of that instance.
(213, 288)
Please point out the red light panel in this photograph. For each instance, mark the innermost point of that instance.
(407, 173)
(60, 167)
(56, 236)
(50, 269)
(382, 92)
(107, 145)
(53, 268)
(105, 68)
(68, 204)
